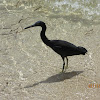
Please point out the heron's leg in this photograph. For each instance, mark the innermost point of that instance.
(63, 64)
(67, 61)
(66, 64)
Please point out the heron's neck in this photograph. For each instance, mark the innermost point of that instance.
(43, 37)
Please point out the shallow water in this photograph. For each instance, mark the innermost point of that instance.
(29, 70)
(87, 9)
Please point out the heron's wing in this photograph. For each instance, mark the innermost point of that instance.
(63, 44)
(64, 48)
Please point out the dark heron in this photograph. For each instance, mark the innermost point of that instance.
(63, 48)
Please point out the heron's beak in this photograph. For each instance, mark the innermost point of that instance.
(29, 26)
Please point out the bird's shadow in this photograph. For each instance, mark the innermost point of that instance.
(57, 78)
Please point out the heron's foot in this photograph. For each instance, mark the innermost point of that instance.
(66, 67)
(63, 70)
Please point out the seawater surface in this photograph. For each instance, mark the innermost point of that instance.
(87, 9)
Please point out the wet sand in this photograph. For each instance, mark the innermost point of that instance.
(29, 70)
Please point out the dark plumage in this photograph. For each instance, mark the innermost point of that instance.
(63, 48)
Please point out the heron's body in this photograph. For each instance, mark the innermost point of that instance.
(63, 48)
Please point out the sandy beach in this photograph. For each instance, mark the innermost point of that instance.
(29, 70)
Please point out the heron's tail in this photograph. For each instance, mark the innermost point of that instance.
(82, 50)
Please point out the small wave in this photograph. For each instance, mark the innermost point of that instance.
(85, 8)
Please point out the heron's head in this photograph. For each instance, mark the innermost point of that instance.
(82, 50)
(38, 23)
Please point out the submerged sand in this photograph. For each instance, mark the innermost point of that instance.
(29, 70)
